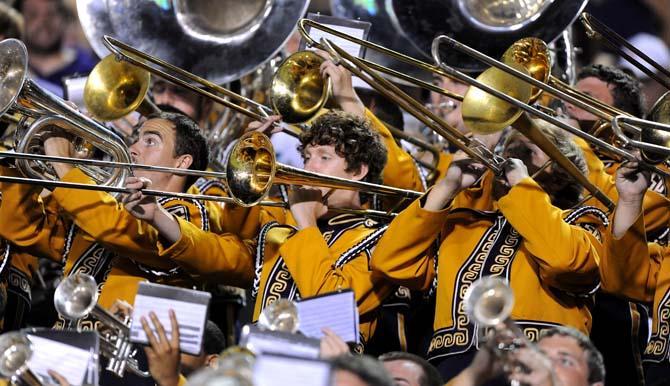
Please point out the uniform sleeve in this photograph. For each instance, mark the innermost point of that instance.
(312, 267)
(222, 257)
(30, 221)
(103, 218)
(566, 255)
(627, 268)
(404, 254)
(400, 170)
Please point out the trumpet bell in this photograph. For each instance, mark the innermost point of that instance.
(484, 113)
(13, 72)
(15, 351)
(250, 169)
(533, 54)
(115, 88)
(489, 301)
(76, 296)
(282, 315)
(298, 90)
(659, 112)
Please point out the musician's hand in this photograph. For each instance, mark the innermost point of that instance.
(267, 126)
(121, 309)
(147, 208)
(461, 175)
(343, 89)
(58, 378)
(631, 182)
(515, 171)
(140, 206)
(59, 146)
(483, 367)
(533, 368)
(163, 353)
(332, 346)
(306, 205)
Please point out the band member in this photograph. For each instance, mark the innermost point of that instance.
(89, 231)
(516, 227)
(301, 252)
(612, 315)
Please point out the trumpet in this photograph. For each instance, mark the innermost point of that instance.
(281, 315)
(15, 352)
(20, 94)
(488, 303)
(77, 297)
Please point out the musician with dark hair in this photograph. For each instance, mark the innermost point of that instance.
(301, 252)
(516, 227)
(89, 231)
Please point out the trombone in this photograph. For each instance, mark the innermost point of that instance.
(597, 29)
(470, 147)
(520, 74)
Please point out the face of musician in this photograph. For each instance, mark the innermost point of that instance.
(44, 25)
(342, 145)
(171, 140)
(188, 364)
(404, 373)
(570, 361)
(596, 88)
(563, 191)
(448, 109)
(189, 103)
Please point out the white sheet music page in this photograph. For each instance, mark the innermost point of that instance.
(336, 310)
(279, 370)
(69, 361)
(277, 342)
(190, 307)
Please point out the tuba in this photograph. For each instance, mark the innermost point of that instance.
(77, 297)
(20, 94)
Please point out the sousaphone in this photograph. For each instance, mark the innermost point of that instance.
(217, 40)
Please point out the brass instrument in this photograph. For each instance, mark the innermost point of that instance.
(20, 94)
(515, 72)
(114, 89)
(280, 315)
(503, 113)
(252, 170)
(77, 297)
(596, 29)
(15, 352)
(488, 303)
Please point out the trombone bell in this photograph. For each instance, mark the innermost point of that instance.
(115, 88)
(298, 90)
(484, 113)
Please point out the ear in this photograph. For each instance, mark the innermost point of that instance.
(184, 161)
(211, 360)
(361, 173)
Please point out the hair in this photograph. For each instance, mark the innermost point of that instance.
(594, 357)
(213, 339)
(369, 370)
(626, 90)
(61, 6)
(429, 377)
(353, 139)
(383, 108)
(11, 22)
(188, 140)
(564, 190)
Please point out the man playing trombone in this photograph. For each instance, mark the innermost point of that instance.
(512, 226)
(89, 231)
(301, 252)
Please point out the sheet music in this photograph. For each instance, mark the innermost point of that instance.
(273, 370)
(351, 48)
(263, 342)
(336, 311)
(190, 307)
(69, 361)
